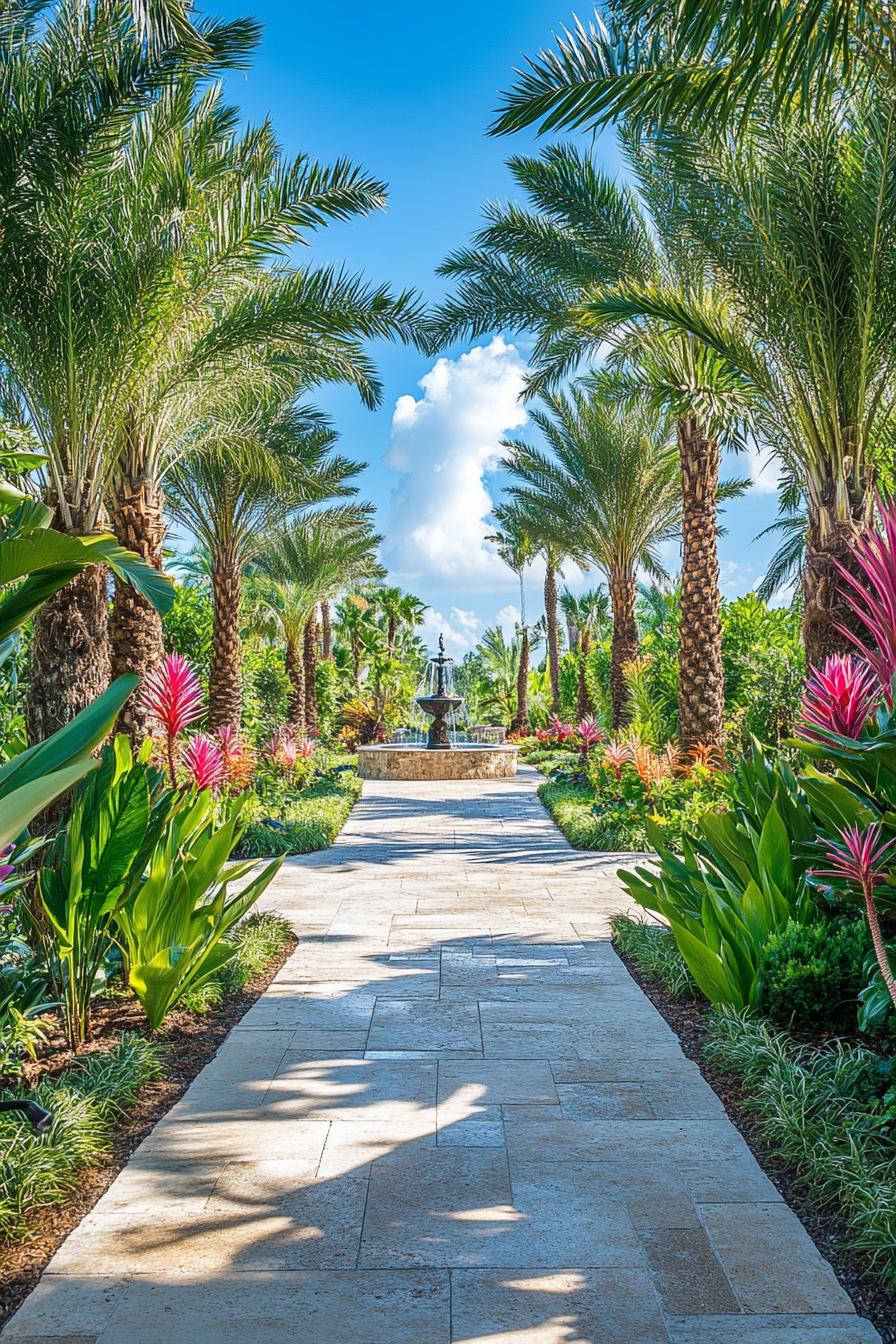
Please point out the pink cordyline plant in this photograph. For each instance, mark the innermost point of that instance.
(283, 749)
(237, 755)
(204, 762)
(172, 697)
(590, 734)
(872, 595)
(840, 697)
(858, 857)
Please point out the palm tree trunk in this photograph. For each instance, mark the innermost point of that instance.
(520, 722)
(625, 639)
(326, 627)
(70, 664)
(583, 699)
(701, 694)
(390, 635)
(309, 661)
(135, 627)
(296, 672)
(550, 612)
(225, 683)
(824, 601)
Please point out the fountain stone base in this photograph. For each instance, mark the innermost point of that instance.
(390, 761)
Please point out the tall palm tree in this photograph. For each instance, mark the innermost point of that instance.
(225, 314)
(796, 221)
(516, 547)
(310, 558)
(587, 618)
(72, 77)
(242, 480)
(607, 491)
(705, 60)
(534, 268)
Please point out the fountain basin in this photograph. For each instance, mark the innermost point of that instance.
(393, 761)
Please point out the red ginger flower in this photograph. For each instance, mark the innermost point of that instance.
(204, 761)
(840, 697)
(590, 733)
(171, 694)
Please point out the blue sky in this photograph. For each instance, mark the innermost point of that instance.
(407, 90)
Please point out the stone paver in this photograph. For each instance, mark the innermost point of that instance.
(453, 1117)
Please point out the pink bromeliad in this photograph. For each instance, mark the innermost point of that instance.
(204, 762)
(172, 697)
(840, 697)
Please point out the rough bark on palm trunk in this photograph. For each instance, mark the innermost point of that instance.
(309, 661)
(824, 592)
(225, 683)
(70, 663)
(326, 628)
(550, 612)
(701, 695)
(625, 640)
(296, 673)
(391, 632)
(583, 699)
(520, 722)
(135, 627)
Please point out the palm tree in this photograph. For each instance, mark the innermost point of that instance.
(534, 269)
(587, 618)
(240, 482)
(516, 547)
(72, 77)
(705, 60)
(226, 315)
(311, 558)
(400, 609)
(607, 491)
(500, 663)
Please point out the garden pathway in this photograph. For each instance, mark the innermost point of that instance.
(452, 1117)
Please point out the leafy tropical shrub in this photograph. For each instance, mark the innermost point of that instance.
(653, 948)
(812, 974)
(85, 1099)
(741, 878)
(95, 865)
(764, 665)
(256, 941)
(172, 925)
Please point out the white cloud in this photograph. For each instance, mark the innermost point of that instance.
(508, 618)
(762, 470)
(444, 443)
(461, 630)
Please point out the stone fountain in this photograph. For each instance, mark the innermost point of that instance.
(441, 756)
(440, 704)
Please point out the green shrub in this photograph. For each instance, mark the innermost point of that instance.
(86, 1099)
(311, 822)
(653, 949)
(812, 974)
(831, 1114)
(256, 941)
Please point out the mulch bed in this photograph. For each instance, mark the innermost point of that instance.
(190, 1040)
(689, 1019)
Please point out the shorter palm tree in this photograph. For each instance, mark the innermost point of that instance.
(309, 559)
(587, 619)
(607, 492)
(400, 610)
(517, 548)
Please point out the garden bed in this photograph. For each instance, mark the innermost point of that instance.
(818, 1206)
(171, 1057)
(309, 821)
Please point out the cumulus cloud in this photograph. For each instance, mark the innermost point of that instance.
(762, 469)
(508, 618)
(460, 628)
(444, 443)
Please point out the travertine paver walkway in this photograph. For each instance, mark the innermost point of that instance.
(453, 1116)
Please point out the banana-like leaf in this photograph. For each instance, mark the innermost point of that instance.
(20, 806)
(71, 743)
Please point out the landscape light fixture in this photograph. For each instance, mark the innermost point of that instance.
(40, 1119)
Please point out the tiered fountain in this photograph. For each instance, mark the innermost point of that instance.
(444, 755)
